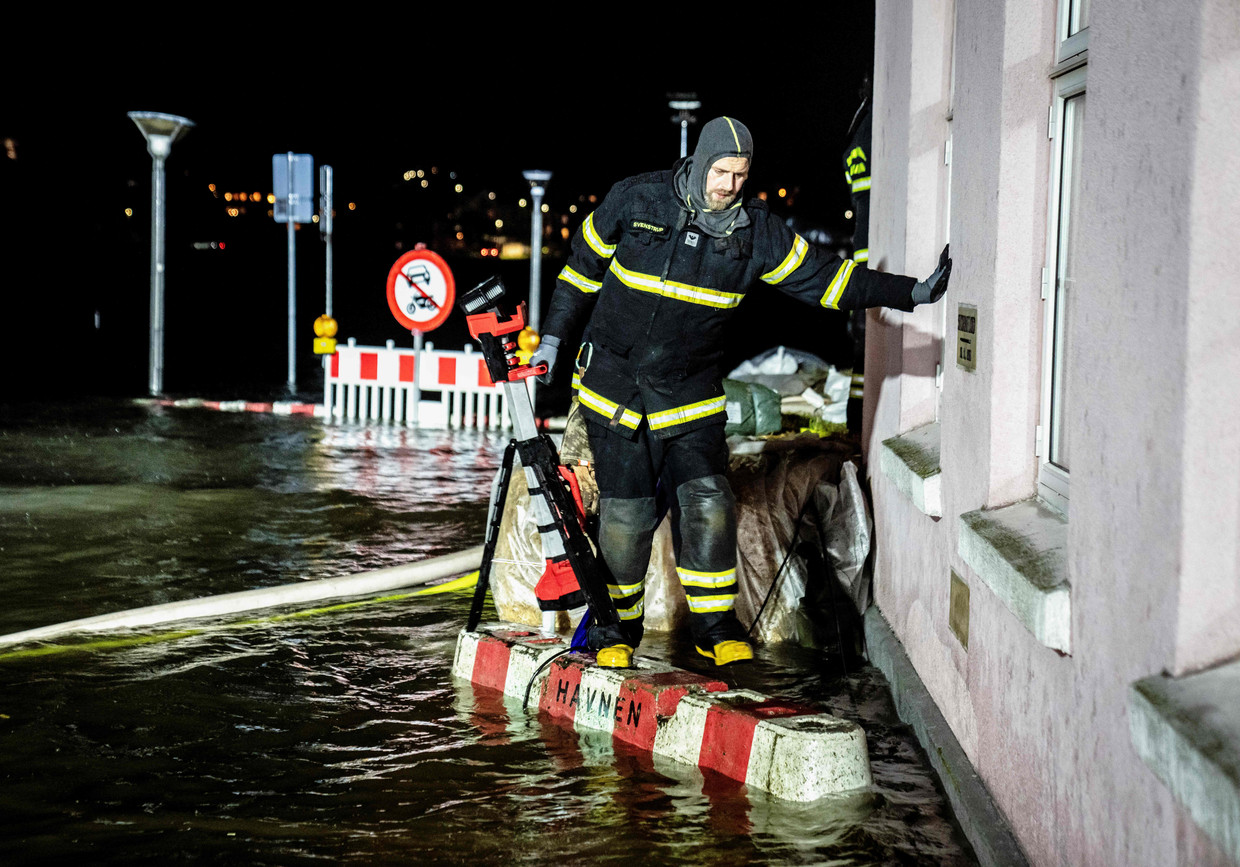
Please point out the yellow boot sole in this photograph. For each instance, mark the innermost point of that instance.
(727, 652)
(616, 656)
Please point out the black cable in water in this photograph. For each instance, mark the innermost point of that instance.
(533, 677)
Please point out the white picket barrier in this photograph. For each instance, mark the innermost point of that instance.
(377, 383)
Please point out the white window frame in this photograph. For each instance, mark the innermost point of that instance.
(1053, 480)
(1073, 39)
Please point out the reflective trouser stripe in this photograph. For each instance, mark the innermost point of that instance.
(862, 255)
(709, 591)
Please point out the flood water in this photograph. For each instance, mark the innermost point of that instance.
(342, 738)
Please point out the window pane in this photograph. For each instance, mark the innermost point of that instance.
(1065, 272)
(1078, 16)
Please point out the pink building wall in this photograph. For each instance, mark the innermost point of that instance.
(1153, 536)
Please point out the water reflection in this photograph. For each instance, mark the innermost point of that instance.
(342, 738)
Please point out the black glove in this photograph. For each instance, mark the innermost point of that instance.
(932, 288)
(548, 349)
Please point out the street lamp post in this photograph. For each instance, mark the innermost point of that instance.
(684, 104)
(160, 131)
(538, 179)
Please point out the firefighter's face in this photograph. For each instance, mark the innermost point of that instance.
(724, 181)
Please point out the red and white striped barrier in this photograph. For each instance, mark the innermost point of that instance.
(385, 383)
(794, 752)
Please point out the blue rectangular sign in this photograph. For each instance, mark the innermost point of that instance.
(300, 168)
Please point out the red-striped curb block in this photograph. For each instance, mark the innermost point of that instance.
(793, 751)
(279, 407)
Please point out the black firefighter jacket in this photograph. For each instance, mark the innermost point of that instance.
(657, 292)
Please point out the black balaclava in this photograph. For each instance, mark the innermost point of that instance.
(721, 137)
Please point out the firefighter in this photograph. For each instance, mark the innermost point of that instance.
(858, 164)
(654, 274)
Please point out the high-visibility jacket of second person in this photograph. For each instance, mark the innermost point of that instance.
(657, 291)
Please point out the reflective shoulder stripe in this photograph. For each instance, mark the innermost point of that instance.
(860, 185)
(791, 262)
(689, 412)
(597, 244)
(679, 291)
(606, 408)
(831, 298)
(585, 284)
(862, 255)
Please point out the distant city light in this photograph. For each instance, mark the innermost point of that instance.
(564, 233)
(782, 192)
(421, 174)
(211, 187)
(232, 212)
(452, 175)
(228, 197)
(460, 236)
(314, 219)
(491, 196)
(848, 215)
(521, 203)
(129, 212)
(434, 170)
(256, 197)
(459, 188)
(499, 224)
(545, 209)
(762, 195)
(271, 198)
(593, 199)
(425, 184)
(352, 206)
(572, 209)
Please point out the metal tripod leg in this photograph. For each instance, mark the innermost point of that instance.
(495, 516)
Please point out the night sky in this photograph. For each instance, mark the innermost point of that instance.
(588, 103)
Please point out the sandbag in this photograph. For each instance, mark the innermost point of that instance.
(753, 409)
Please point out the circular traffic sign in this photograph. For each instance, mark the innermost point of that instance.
(420, 290)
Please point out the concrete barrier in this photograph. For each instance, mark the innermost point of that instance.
(795, 752)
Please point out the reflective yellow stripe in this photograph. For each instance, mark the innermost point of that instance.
(597, 244)
(632, 613)
(735, 137)
(791, 262)
(619, 591)
(831, 298)
(585, 284)
(606, 408)
(576, 380)
(688, 412)
(690, 578)
(679, 291)
(861, 185)
(862, 255)
(705, 604)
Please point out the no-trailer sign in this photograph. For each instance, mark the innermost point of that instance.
(420, 290)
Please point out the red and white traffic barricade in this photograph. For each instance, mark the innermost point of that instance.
(795, 752)
(383, 383)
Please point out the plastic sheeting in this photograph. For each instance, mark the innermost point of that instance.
(775, 480)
